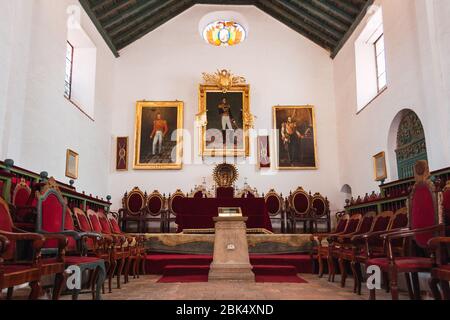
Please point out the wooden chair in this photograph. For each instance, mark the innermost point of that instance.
(174, 207)
(136, 248)
(275, 208)
(445, 207)
(424, 220)
(321, 211)
(440, 274)
(334, 241)
(23, 206)
(155, 211)
(299, 209)
(200, 192)
(247, 192)
(322, 245)
(13, 273)
(131, 214)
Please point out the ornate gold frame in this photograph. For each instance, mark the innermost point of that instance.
(127, 153)
(375, 158)
(75, 155)
(224, 81)
(277, 144)
(140, 105)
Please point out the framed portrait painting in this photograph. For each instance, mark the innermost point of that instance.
(379, 165)
(122, 154)
(296, 143)
(264, 152)
(71, 164)
(159, 134)
(225, 125)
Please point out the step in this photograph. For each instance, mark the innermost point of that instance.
(189, 270)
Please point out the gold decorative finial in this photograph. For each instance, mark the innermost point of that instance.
(224, 79)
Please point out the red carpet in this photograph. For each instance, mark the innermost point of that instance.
(195, 268)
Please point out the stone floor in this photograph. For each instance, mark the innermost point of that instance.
(147, 288)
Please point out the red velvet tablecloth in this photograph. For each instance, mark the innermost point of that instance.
(198, 213)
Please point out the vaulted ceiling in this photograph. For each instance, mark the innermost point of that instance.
(328, 23)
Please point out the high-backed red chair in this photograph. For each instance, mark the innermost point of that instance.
(155, 211)
(131, 213)
(13, 273)
(23, 205)
(320, 209)
(174, 207)
(446, 207)
(299, 209)
(275, 208)
(120, 252)
(424, 224)
(440, 274)
(355, 247)
(322, 245)
(52, 212)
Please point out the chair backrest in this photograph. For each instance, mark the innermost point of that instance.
(69, 225)
(104, 222)
(300, 202)
(321, 206)
(134, 202)
(423, 204)
(82, 220)
(342, 221)
(155, 203)
(6, 224)
(51, 211)
(200, 192)
(399, 219)
(21, 193)
(366, 222)
(114, 224)
(353, 223)
(174, 202)
(95, 221)
(382, 221)
(274, 203)
(247, 192)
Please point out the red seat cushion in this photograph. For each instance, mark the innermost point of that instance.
(74, 260)
(403, 263)
(17, 268)
(423, 213)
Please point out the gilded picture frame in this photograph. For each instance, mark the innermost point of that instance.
(240, 141)
(72, 159)
(379, 166)
(158, 135)
(300, 151)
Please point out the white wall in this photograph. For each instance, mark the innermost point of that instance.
(282, 67)
(415, 59)
(38, 124)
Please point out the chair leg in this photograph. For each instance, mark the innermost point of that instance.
(111, 272)
(127, 269)
(60, 279)
(10, 293)
(343, 271)
(143, 261)
(320, 262)
(372, 294)
(433, 283)
(92, 281)
(119, 271)
(353, 266)
(394, 284)
(408, 285)
(360, 276)
(35, 290)
(445, 290)
(416, 285)
(331, 271)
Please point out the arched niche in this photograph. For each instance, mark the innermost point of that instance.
(407, 144)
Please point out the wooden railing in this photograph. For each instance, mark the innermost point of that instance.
(392, 195)
(9, 172)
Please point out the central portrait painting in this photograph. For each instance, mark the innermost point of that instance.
(225, 130)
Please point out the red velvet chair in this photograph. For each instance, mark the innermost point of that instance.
(155, 211)
(275, 208)
(320, 211)
(322, 245)
(131, 213)
(23, 205)
(13, 273)
(425, 224)
(299, 209)
(174, 207)
(446, 207)
(355, 247)
(52, 213)
(440, 274)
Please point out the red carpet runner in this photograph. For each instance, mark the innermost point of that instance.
(195, 268)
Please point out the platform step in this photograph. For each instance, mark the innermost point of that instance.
(191, 270)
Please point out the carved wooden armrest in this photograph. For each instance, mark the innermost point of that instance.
(435, 243)
(38, 241)
(4, 243)
(439, 247)
(62, 242)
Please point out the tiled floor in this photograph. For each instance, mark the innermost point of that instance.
(147, 288)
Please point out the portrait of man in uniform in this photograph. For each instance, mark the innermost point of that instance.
(158, 135)
(296, 142)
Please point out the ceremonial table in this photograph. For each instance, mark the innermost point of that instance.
(198, 213)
